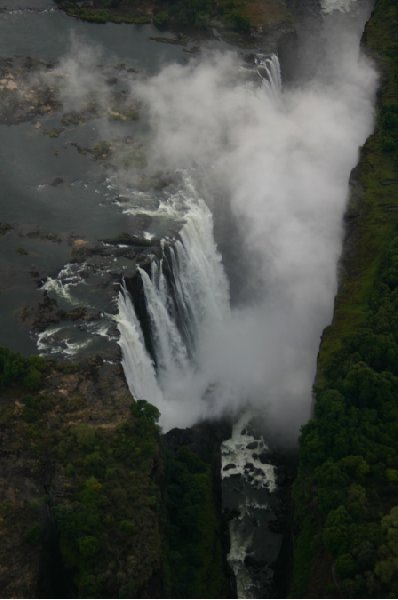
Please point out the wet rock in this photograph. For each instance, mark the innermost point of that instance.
(101, 151)
(79, 243)
(52, 133)
(264, 458)
(277, 525)
(229, 467)
(79, 148)
(252, 446)
(23, 97)
(41, 235)
(203, 439)
(46, 313)
(100, 267)
(251, 561)
(72, 118)
(132, 240)
(5, 228)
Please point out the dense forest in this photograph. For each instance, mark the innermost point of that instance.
(345, 496)
(104, 507)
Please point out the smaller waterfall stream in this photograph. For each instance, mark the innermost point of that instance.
(137, 364)
(268, 69)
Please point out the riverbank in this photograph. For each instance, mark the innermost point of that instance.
(235, 15)
(346, 487)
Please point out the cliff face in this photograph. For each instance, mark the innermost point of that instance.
(345, 495)
(195, 533)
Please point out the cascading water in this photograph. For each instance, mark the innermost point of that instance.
(183, 308)
(137, 364)
(171, 354)
(269, 71)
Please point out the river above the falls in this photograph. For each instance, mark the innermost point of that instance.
(53, 190)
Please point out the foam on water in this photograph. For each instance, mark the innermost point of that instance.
(70, 276)
(243, 454)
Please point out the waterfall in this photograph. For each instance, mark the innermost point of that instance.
(171, 354)
(186, 297)
(137, 364)
(202, 291)
(269, 71)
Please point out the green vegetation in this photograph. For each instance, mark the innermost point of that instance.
(15, 369)
(131, 519)
(54, 132)
(126, 114)
(109, 520)
(193, 560)
(374, 212)
(238, 15)
(346, 491)
(98, 482)
(196, 13)
(104, 11)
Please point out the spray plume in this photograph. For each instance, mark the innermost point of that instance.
(279, 163)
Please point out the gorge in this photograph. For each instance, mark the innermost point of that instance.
(192, 235)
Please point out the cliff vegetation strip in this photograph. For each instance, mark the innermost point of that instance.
(346, 490)
(238, 15)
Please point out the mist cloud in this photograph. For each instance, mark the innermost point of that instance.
(280, 164)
